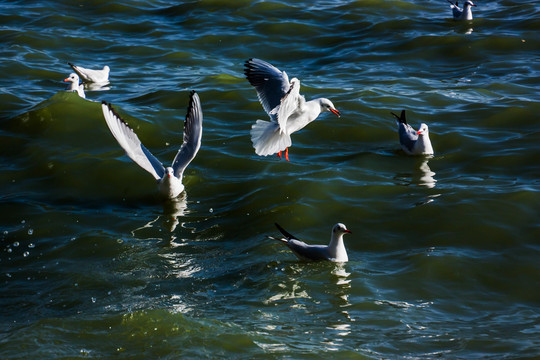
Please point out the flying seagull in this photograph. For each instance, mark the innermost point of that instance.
(288, 110)
(169, 178)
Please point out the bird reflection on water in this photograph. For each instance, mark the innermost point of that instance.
(173, 209)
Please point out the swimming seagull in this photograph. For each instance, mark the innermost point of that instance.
(335, 251)
(73, 85)
(169, 178)
(413, 142)
(462, 14)
(92, 76)
(288, 110)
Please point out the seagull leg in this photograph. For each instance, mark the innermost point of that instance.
(279, 155)
(287, 154)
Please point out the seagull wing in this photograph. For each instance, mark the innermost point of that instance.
(129, 141)
(309, 252)
(290, 103)
(192, 135)
(407, 135)
(271, 83)
(89, 75)
(456, 12)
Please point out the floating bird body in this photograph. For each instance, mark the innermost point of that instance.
(74, 85)
(413, 142)
(92, 76)
(335, 251)
(462, 14)
(169, 178)
(288, 110)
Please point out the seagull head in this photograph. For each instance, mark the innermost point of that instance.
(340, 229)
(468, 3)
(169, 172)
(74, 78)
(423, 130)
(326, 105)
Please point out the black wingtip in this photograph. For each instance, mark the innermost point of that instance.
(284, 232)
(193, 96)
(194, 110)
(247, 67)
(111, 109)
(402, 118)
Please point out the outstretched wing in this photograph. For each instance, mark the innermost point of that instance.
(131, 144)
(271, 83)
(192, 135)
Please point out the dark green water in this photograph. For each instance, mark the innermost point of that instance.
(445, 251)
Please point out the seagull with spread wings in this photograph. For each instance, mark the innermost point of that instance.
(288, 110)
(169, 178)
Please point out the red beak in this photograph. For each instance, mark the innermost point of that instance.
(348, 231)
(336, 112)
(66, 79)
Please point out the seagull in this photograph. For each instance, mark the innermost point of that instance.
(462, 14)
(413, 142)
(288, 110)
(73, 85)
(169, 178)
(335, 251)
(92, 76)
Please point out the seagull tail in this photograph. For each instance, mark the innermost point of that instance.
(267, 139)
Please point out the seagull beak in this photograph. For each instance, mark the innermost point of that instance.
(336, 112)
(66, 79)
(348, 231)
(418, 132)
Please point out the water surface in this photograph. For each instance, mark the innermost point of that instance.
(444, 251)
